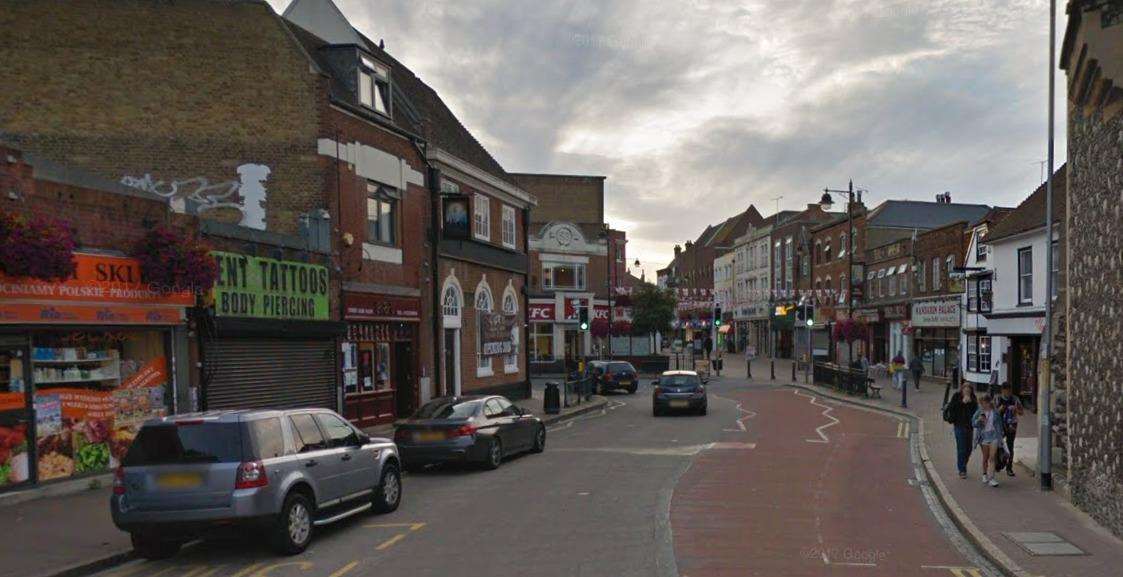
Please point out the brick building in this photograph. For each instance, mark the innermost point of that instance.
(790, 242)
(181, 110)
(829, 262)
(935, 304)
(100, 337)
(886, 301)
(1089, 423)
(573, 263)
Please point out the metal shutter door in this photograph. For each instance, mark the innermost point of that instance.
(270, 374)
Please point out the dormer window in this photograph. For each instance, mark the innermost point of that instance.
(374, 85)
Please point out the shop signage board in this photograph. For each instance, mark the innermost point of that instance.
(97, 278)
(896, 312)
(376, 307)
(39, 313)
(496, 329)
(257, 287)
(938, 312)
(540, 312)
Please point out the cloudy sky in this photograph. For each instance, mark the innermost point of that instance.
(695, 109)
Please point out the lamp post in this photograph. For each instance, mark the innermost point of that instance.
(1045, 408)
(826, 204)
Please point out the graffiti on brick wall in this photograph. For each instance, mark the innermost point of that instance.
(247, 195)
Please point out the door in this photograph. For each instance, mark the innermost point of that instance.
(404, 381)
(523, 427)
(573, 349)
(452, 362)
(316, 458)
(1025, 367)
(356, 472)
(502, 424)
(17, 451)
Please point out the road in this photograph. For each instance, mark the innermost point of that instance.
(773, 482)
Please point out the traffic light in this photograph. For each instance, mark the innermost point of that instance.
(805, 312)
(717, 316)
(583, 318)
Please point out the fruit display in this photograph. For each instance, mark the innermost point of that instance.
(13, 454)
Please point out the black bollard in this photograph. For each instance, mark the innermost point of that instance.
(749, 367)
(793, 371)
(772, 368)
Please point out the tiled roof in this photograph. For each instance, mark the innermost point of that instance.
(1030, 214)
(923, 215)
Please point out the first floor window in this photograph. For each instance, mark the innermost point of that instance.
(903, 281)
(382, 214)
(509, 235)
(984, 295)
(972, 353)
(541, 343)
(935, 274)
(481, 217)
(563, 276)
(1054, 274)
(1025, 275)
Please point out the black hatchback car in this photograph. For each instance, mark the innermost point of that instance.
(468, 429)
(613, 375)
(679, 391)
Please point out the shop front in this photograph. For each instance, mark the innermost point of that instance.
(83, 363)
(876, 346)
(379, 358)
(557, 342)
(897, 318)
(269, 342)
(935, 324)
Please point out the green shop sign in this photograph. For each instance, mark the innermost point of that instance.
(250, 286)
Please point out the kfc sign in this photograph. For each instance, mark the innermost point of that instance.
(600, 312)
(540, 312)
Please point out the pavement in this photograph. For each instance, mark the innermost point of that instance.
(775, 481)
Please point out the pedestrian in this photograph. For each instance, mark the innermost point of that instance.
(708, 346)
(864, 363)
(917, 369)
(988, 432)
(1009, 408)
(899, 371)
(960, 412)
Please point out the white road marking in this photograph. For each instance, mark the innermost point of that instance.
(827, 410)
(686, 451)
(740, 422)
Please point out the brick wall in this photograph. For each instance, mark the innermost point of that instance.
(938, 244)
(165, 92)
(564, 197)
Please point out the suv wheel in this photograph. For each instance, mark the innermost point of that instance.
(539, 440)
(292, 530)
(153, 548)
(494, 454)
(388, 495)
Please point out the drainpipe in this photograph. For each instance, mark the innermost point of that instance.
(433, 183)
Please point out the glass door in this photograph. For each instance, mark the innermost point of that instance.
(16, 426)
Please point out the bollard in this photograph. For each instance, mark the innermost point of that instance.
(749, 367)
(772, 368)
(793, 372)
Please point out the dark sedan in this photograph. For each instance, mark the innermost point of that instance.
(468, 429)
(679, 391)
(613, 375)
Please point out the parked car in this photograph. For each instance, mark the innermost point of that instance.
(280, 472)
(613, 376)
(468, 429)
(679, 391)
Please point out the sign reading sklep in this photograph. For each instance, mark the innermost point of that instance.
(256, 287)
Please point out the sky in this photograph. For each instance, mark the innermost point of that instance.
(697, 109)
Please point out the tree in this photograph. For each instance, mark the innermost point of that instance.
(653, 309)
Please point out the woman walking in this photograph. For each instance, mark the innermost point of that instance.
(960, 412)
(897, 369)
(989, 432)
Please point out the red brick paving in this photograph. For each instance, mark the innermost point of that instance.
(776, 509)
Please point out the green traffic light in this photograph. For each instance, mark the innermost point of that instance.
(584, 326)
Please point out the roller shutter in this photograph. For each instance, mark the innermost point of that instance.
(260, 373)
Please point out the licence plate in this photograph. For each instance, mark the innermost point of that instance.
(429, 437)
(179, 480)
(625, 381)
(680, 404)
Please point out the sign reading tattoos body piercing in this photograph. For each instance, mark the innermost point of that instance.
(256, 287)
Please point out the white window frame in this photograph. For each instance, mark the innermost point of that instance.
(580, 274)
(1055, 248)
(381, 196)
(481, 217)
(510, 232)
(1025, 276)
(935, 273)
(903, 282)
(374, 86)
(484, 303)
(511, 307)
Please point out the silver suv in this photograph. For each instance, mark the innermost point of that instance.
(286, 472)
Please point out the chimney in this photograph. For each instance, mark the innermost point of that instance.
(678, 250)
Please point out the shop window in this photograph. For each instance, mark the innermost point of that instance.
(541, 343)
(481, 217)
(382, 214)
(484, 307)
(93, 390)
(509, 230)
(1025, 276)
(511, 309)
(564, 276)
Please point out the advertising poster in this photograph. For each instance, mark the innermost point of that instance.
(496, 331)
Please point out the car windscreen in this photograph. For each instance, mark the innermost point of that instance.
(621, 368)
(679, 381)
(186, 443)
(448, 409)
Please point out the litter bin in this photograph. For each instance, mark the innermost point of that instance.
(551, 403)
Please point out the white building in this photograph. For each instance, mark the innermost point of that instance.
(724, 285)
(979, 351)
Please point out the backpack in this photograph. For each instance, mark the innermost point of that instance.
(949, 413)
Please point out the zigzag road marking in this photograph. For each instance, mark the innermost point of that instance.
(827, 410)
(741, 421)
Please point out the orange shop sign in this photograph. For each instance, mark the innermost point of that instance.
(34, 313)
(98, 278)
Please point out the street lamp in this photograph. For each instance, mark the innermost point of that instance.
(826, 202)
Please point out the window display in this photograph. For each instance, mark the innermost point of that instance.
(92, 393)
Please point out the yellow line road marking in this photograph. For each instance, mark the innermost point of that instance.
(266, 571)
(209, 572)
(126, 571)
(412, 526)
(247, 570)
(957, 571)
(390, 542)
(343, 570)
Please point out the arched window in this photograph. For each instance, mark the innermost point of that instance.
(511, 309)
(842, 290)
(484, 307)
(451, 303)
(842, 245)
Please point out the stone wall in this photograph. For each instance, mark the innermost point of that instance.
(1095, 315)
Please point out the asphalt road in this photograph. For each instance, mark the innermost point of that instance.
(772, 482)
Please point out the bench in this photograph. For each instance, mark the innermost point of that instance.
(873, 390)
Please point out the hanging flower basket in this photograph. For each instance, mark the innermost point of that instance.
(599, 328)
(40, 247)
(621, 328)
(172, 262)
(850, 330)
(623, 301)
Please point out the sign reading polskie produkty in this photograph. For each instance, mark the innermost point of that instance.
(257, 287)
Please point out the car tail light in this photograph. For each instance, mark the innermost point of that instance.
(250, 475)
(119, 481)
(699, 391)
(462, 431)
